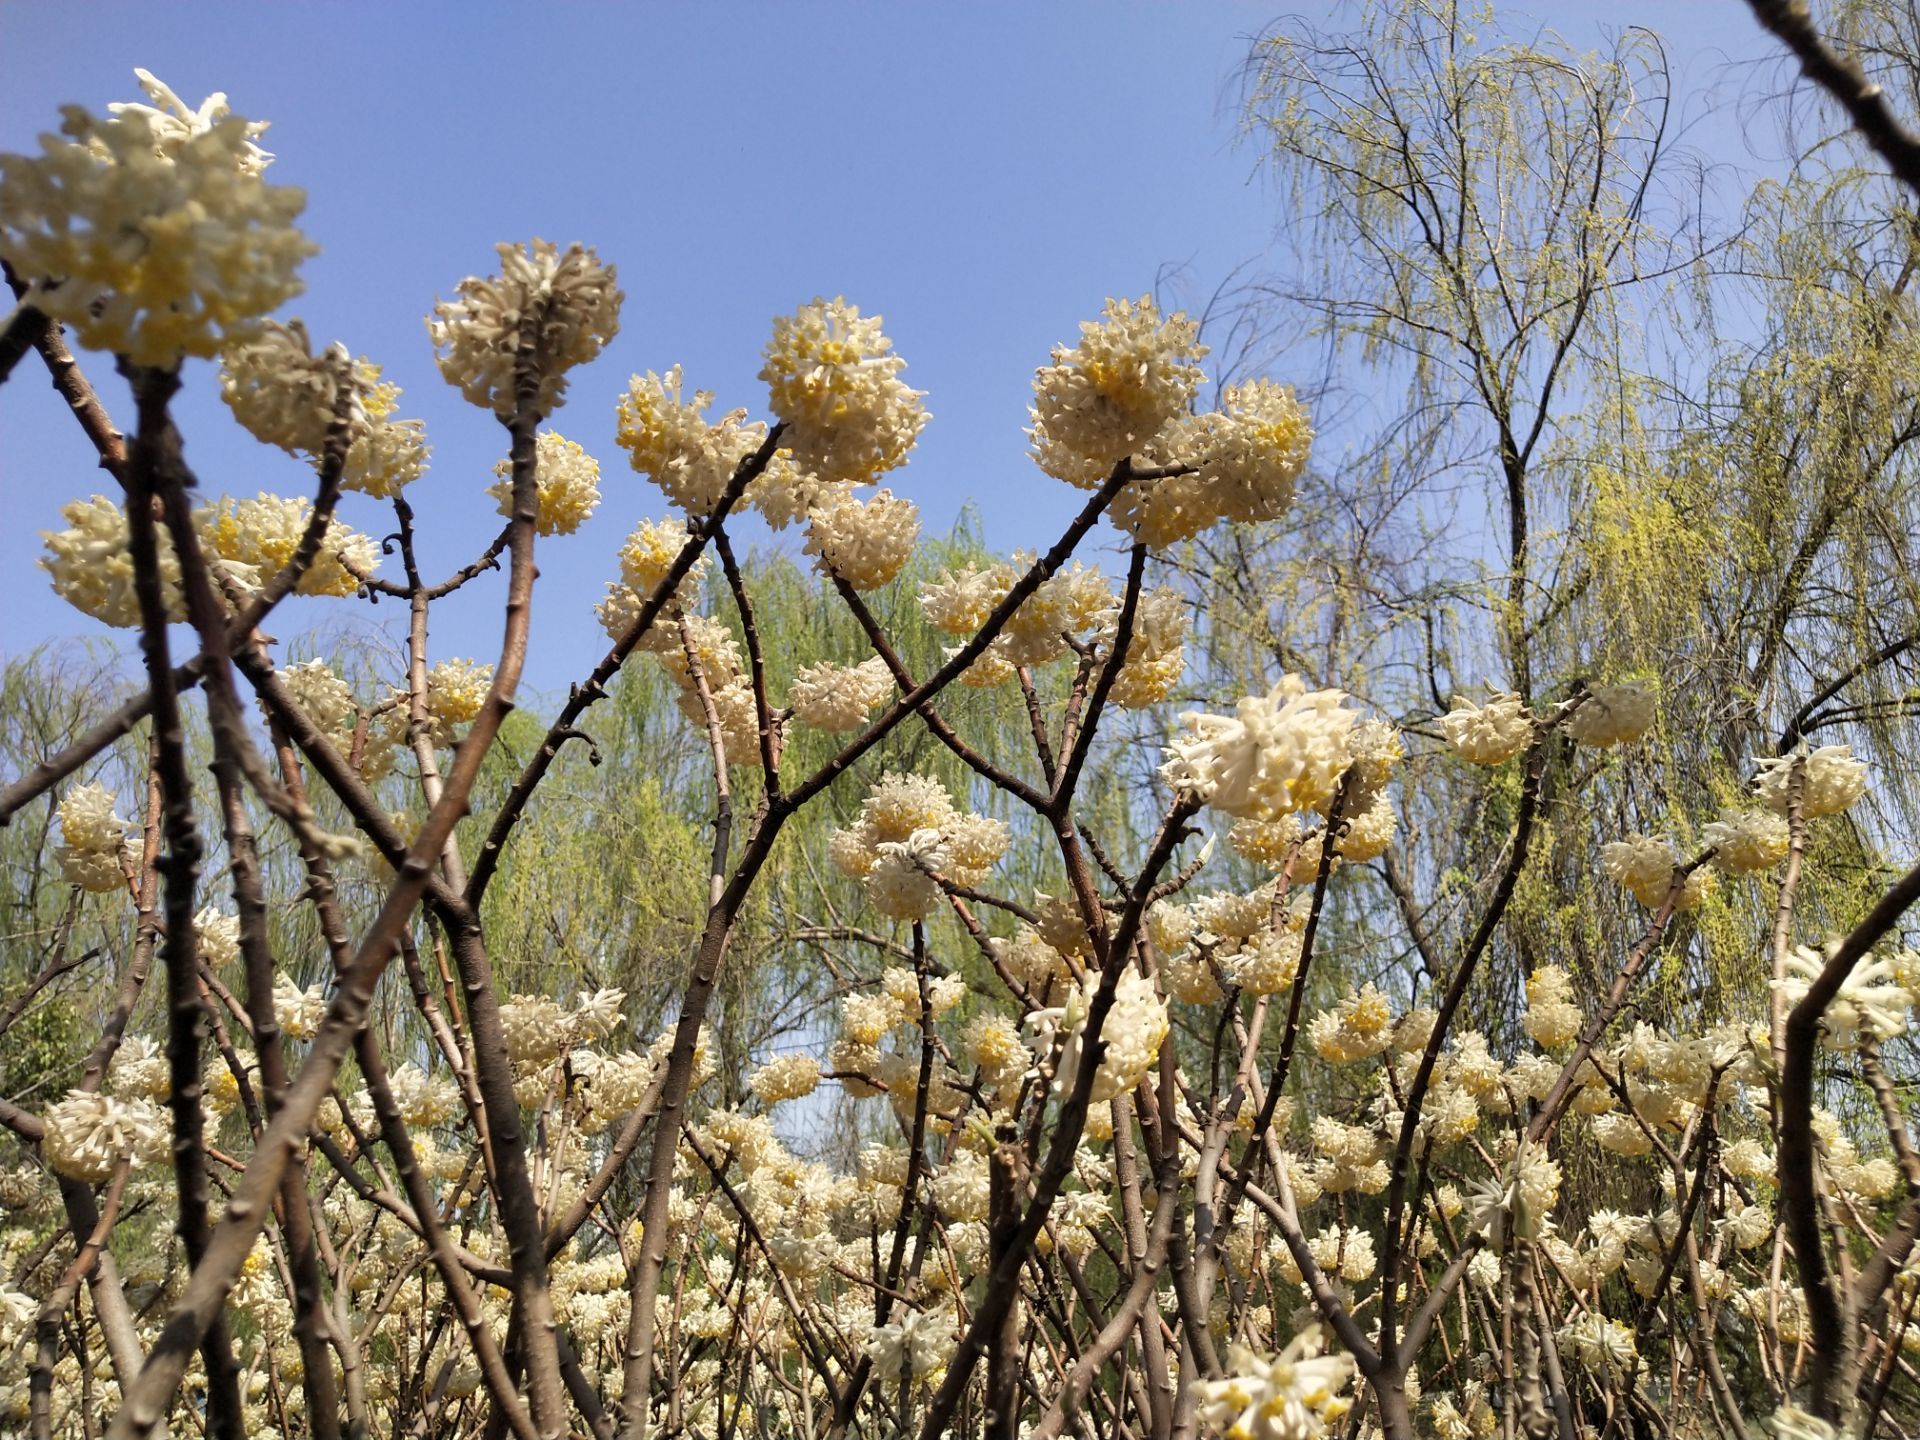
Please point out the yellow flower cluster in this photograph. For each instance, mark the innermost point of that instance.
(567, 484)
(832, 376)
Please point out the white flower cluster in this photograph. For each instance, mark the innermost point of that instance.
(1552, 1019)
(645, 559)
(92, 568)
(245, 543)
(1645, 865)
(456, 689)
(1834, 780)
(567, 484)
(93, 853)
(1295, 1395)
(833, 378)
(1488, 734)
(921, 1343)
(89, 1133)
(668, 439)
(786, 1077)
(909, 831)
(1744, 841)
(1126, 390)
(1130, 1037)
(863, 542)
(1870, 1005)
(723, 668)
(839, 697)
(328, 701)
(1614, 714)
(283, 394)
(151, 233)
(256, 538)
(568, 299)
(1278, 753)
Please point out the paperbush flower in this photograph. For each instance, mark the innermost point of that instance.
(1134, 1029)
(88, 1134)
(1487, 734)
(832, 376)
(92, 569)
(1744, 841)
(668, 439)
(258, 537)
(1131, 373)
(864, 543)
(1614, 714)
(1834, 780)
(1277, 753)
(93, 854)
(1295, 1395)
(788, 1077)
(1644, 864)
(567, 482)
(151, 233)
(568, 299)
(839, 697)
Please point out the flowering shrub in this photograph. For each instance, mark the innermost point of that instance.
(1099, 1175)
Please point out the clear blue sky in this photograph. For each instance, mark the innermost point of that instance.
(983, 175)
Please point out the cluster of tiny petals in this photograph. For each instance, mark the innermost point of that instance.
(1645, 865)
(909, 829)
(1253, 451)
(1295, 1395)
(92, 568)
(839, 697)
(1746, 841)
(93, 839)
(88, 1134)
(1156, 653)
(865, 543)
(668, 438)
(1552, 1019)
(833, 378)
(1135, 1026)
(567, 484)
(260, 536)
(787, 1077)
(568, 297)
(152, 234)
(1129, 376)
(784, 492)
(1279, 752)
(285, 395)
(1833, 781)
(1488, 734)
(958, 602)
(1614, 714)
(456, 689)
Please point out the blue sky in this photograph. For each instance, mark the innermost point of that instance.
(983, 175)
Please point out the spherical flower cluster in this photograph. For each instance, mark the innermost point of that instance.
(1252, 450)
(456, 689)
(1834, 780)
(219, 936)
(150, 237)
(1130, 376)
(569, 301)
(1644, 864)
(668, 439)
(1870, 1004)
(1074, 601)
(1156, 655)
(566, 480)
(1131, 1036)
(1601, 1344)
(1614, 714)
(1552, 1019)
(839, 697)
(1744, 841)
(864, 543)
(1359, 1027)
(645, 561)
(1487, 734)
(88, 1134)
(786, 1077)
(284, 395)
(298, 1012)
(909, 830)
(1278, 753)
(833, 378)
(783, 492)
(93, 852)
(1270, 964)
(723, 670)
(1295, 1395)
(959, 602)
(259, 536)
(920, 1344)
(92, 568)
